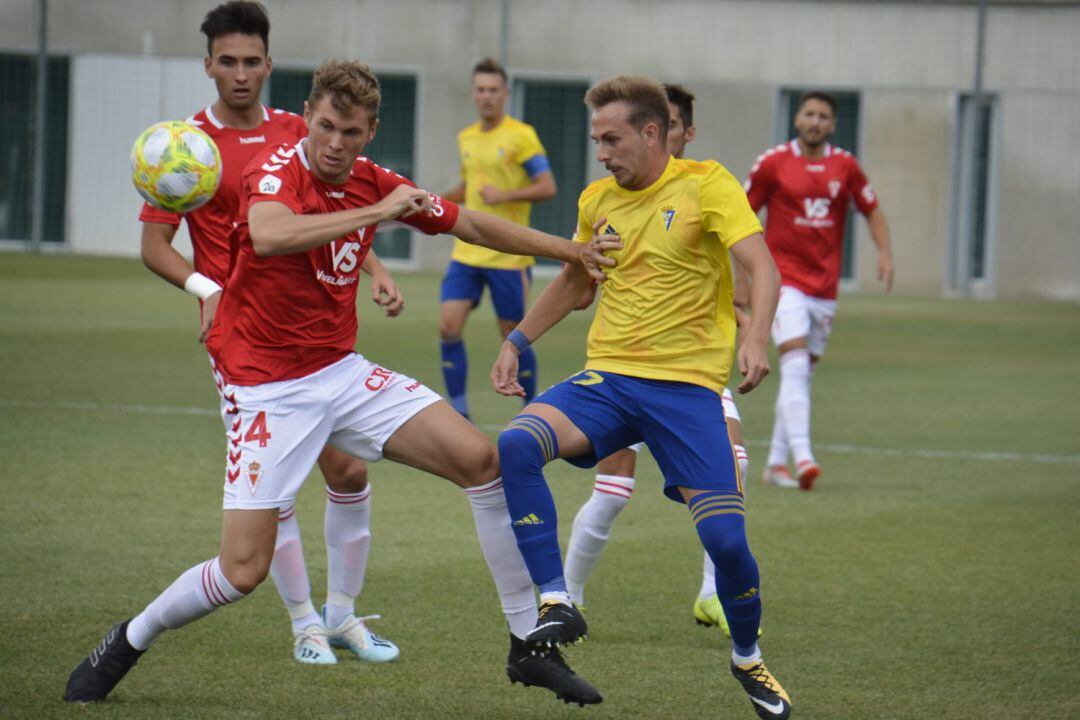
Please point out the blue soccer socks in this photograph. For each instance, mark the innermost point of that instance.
(527, 373)
(525, 446)
(720, 519)
(455, 368)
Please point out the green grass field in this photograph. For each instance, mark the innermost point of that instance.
(935, 572)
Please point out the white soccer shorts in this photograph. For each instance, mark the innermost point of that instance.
(801, 315)
(276, 431)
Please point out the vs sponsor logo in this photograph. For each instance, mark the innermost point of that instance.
(816, 208)
(345, 254)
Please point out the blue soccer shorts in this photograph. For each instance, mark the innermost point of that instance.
(509, 288)
(683, 425)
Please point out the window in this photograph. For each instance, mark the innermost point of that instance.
(17, 90)
(394, 144)
(556, 109)
(846, 136)
(971, 227)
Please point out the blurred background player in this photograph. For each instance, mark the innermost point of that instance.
(237, 60)
(806, 185)
(504, 169)
(655, 374)
(615, 473)
(291, 380)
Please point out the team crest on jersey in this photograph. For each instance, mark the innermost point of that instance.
(668, 213)
(834, 188)
(254, 472)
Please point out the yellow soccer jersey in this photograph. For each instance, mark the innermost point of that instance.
(665, 311)
(496, 157)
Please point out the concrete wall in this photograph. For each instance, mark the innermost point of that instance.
(910, 60)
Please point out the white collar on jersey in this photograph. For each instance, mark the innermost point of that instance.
(219, 125)
(301, 152)
(797, 151)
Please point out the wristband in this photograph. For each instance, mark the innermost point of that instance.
(518, 340)
(200, 286)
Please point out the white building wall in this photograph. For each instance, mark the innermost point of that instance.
(910, 61)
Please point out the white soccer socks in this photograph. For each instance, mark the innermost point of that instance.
(195, 594)
(289, 572)
(348, 544)
(794, 403)
(592, 529)
(501, 552)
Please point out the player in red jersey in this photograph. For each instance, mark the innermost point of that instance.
(806, 185)
(238, 62)
(291, 382)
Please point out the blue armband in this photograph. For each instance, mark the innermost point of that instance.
(536, 165)
(518, 339)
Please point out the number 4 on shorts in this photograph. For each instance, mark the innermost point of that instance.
(258, 430)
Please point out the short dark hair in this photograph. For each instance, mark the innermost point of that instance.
(489, 65)
(683, 99)
(645, 96)
(236, 16)
(821, 95)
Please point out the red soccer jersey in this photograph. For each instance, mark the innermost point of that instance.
(807, 199)
(287, 316)
(211, 224)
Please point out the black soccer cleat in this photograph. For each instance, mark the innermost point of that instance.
(103, 668)
(557, 625)
(548, 670)
(770, 700)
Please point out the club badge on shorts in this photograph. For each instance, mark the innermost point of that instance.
(254, 472)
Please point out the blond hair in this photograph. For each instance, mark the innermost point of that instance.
(348, 83)
(646, 97)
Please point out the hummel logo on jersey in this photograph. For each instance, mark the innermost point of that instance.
(668, 214)
(336, 194)
(530, 519)
(253, 139)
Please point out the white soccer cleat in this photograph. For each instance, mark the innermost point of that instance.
(353, 635)
(779, 476)
(312, 647)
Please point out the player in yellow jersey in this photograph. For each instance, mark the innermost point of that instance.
(504, 169)
(659, 353)
(614, 483)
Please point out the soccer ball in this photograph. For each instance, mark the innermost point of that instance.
(175, 166)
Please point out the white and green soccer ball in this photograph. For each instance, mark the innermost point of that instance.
(175, 166)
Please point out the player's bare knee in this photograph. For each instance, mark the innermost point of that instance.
(246, 573)
(477, 464)
(348, 475)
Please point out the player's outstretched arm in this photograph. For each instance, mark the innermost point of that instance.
(557, 301)
(492, 232)
(754, 256)
(384, 291)
(879, 231)
(277, 230)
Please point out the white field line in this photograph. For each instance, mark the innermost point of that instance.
(989, 456)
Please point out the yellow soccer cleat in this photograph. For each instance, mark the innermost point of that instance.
(769, 698)
(709, 612)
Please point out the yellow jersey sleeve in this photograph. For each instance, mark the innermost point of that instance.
(528, 144)
(725, 211)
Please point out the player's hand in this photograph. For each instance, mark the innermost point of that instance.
(504, 373)
(209, 309)
(885, 270)
(591, 254)
(404, 201)
(387, 295)
(492, 195)
(753, 364)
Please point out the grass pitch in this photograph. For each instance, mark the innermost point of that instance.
(933, 573)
